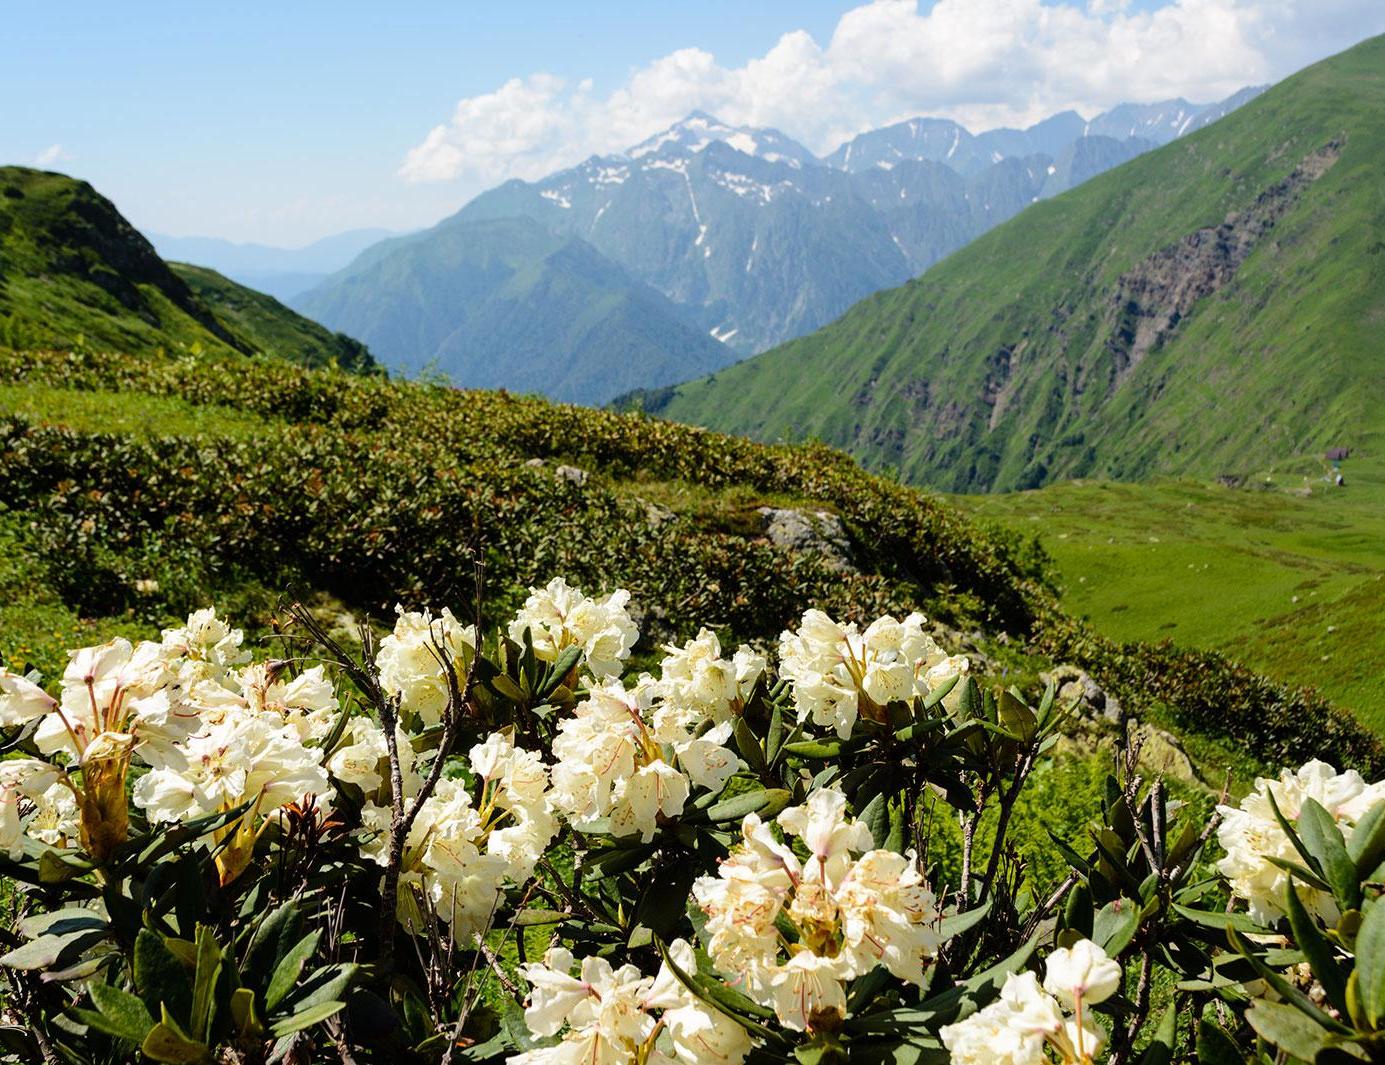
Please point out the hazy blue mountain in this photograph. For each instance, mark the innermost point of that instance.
(281, 272)
(508, 303)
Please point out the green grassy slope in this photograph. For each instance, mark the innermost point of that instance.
(1011, 363)
(75, 273)
(1293, 585)
(269, 326)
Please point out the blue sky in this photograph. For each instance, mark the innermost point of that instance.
(289, 121)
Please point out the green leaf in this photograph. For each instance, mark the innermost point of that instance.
(208, 968)
(1367, 845)
(1215, 1047)
(244, 1014)
(815, 748)
(272, 939)
(324, 985)
(1370, 963)
(1292, 995)
(49, 951)
(307, 1017)
(777, 731)
(1324, 841)
(876, 817)
(161, 980)
(1286, 1028)
(1316, 947)
(748, 744)
(167, 1043)
(1161, 1049)
(1115, 925)
(764, 801)
(120, 1013)
(286, 973)
(957, 923)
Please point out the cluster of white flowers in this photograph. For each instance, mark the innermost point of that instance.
(697, 679)
(610, 1015)
(558, 617)
(839, 673)
(1252, 838)
(216, 733)
(411, 661)
(459, 854)
(623, 758)
(851, 908)
(1027, 1018)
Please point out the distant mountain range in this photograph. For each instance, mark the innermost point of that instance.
(74, 272)
(748, 237)
(507, 303)
(281, 272)
(1213, 306)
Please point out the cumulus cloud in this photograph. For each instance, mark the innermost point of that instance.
(984, 63)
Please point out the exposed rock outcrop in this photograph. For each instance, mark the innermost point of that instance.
(817, 532)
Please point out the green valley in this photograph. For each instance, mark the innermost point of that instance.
(1210, 307)
(1291, 583)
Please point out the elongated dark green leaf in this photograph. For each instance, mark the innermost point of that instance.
(1315, 946)
(774, 742)
(120, 1013)
(748, 744)
(208, 969)
(876, 817)
(1292, 995)
(1324, 841)
(815, 748)
(163, 982)
(1115, 925)
(1367, 844)
(955, 924)
(306, 1018)
(290, 967)
(1370, 963)
(1161, 1048)
(763, 801)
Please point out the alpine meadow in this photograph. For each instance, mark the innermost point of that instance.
(790, 535)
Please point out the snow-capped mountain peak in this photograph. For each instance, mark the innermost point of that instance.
(694, 133)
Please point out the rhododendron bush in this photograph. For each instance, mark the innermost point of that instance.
(459, 842)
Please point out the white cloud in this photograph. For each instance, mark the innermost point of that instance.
(52, 154)
(982, 62)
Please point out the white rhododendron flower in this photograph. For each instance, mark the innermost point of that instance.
(853, 907)
(1027, 1018)
(306, 703)
(1082, 971)
(114, 688)
(24, 785)
(21, 700)
(460, 853)
(558, 617)
(839, 673)
(1250, 834)
(245, 757)
(408, 660)
(696, 678)
(611, 761)
(606, 1015)
(206, 647)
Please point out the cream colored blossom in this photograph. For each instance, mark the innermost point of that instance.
(695, 677)
(1251, 836)
(839, 672)
(1082, 971)
(409, 663)
(558, 616)
(851, 908)
(21, 700)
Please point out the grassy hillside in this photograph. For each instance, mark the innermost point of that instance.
(271, 327)
(507, 303)
(1209, 307)
(1292, 584)
(132, 489)
(75, 273)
